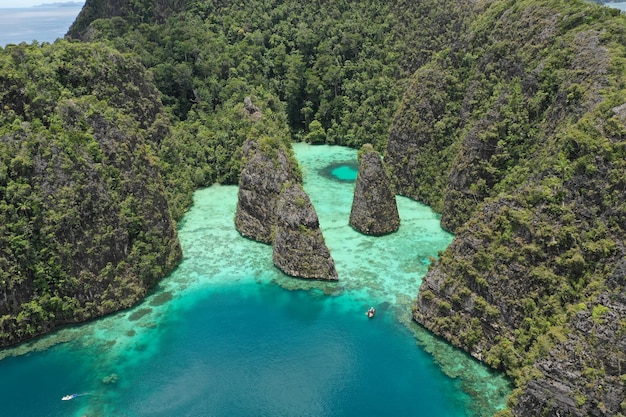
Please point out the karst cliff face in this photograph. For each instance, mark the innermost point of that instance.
(374, 209)
(517, 138)
(584, 374)
(86, 226)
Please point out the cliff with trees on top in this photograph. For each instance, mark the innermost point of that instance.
(86, 225)
(517, 137)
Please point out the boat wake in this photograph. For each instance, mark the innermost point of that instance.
(72, 396)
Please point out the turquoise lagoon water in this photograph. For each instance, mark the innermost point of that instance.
(226, 334)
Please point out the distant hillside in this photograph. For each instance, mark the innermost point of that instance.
(62, 4)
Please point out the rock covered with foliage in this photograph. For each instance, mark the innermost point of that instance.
(374, 209)
(299, 249)
(273, 208)
(516, 135)
(268, 167)
(122, 13)
(338, 70)
(85, 225)
(584, 374)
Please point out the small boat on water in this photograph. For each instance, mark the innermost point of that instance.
(69, 397)
(370, 313)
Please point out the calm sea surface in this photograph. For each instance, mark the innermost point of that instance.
(44, 24)
(226, 334)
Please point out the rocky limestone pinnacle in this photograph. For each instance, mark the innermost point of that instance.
(263, 175)
(374, 209)
(299, 247)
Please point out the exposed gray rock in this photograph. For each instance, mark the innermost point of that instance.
(252, 110)
(299, 247)
(249, 106)
(374, 209)
(285, 218)
(265, 171)
(584, 375)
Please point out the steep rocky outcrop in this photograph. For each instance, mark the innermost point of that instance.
(299, 249)
(273, 208)
(584, 374)
(530, 177)
(85, 225)
(267, 168)
(374, 209)
(253, 110)
(425, 123)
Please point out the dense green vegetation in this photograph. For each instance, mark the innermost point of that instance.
(517, 137)
(156, 101)
(480, 108)
(85, 227)
(337, 69)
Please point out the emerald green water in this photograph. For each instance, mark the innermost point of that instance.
(227, 334)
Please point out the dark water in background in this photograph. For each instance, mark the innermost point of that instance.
(44, 24)
(227, 334)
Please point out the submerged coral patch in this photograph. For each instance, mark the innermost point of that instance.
(161, 298)
(110, 379)
(136, 315)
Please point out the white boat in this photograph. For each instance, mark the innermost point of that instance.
(69, 397)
